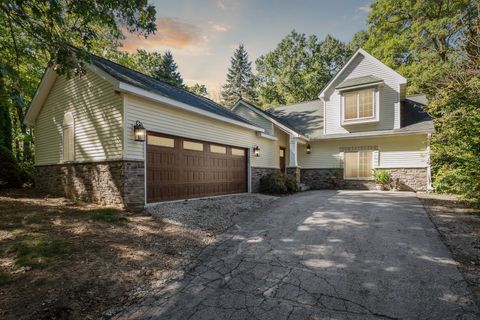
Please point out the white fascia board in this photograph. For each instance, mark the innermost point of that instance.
(364, 135)
(278, 124)
(124, 87)
(40, 96)
(368, 56)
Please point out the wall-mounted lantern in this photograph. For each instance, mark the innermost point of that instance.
(139, 131)
(309, 149)
(256, 151)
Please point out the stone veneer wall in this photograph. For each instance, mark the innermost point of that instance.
(257, 174)
(112, 183)
(295, 172)
(412, 179)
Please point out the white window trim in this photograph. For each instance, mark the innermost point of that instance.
(358, 159)
(376, 108)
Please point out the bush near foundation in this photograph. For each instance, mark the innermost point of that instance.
(278, 183)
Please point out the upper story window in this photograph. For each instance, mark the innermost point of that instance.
(360, 106)
(68, 142)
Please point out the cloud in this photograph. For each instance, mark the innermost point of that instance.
(218, 27)
(365, 8)
(171, 32)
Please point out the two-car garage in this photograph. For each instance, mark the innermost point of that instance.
(180, 168)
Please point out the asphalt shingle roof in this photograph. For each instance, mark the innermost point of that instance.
(306, 117)
(352, 82)
(162, 88)
(414, 117)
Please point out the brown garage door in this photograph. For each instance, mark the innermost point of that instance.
(179, 168)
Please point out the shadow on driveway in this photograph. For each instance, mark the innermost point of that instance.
(318, 255)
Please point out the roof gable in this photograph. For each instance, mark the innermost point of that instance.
(269, 116)
(131, 81)
(371, 59)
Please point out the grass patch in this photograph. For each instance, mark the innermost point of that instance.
(106, 215)
(36, 250)
(4, 278)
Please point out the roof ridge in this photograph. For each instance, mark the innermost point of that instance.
(172, 87)
(292, 104)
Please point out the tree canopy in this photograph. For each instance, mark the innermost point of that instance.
(298, 68)
(418, 38)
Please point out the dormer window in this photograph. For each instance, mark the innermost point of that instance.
(359, 105)
(360, 100)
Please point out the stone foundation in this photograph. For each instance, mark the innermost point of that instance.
(410, 179)
(295, 172)
(257, 174)
(109, 183)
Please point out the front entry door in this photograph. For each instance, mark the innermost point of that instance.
(282, 159)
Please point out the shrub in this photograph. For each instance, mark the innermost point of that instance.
(278, 183)
(291, 184)
(381, 177)
(9, 170)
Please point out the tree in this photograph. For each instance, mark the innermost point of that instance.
(298, 68)
(198, 89)
(167, 71)
(359, 40)
(240, 80)
(417, 38)
(455, 104)
(36, 33)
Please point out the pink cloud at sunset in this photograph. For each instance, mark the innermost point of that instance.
(171, 32)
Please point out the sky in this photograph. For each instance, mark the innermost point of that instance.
(202, 34)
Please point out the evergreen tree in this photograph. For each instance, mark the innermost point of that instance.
(198, 89)
(240, 80)
(167, 71)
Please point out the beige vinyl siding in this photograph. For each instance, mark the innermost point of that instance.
(254, 118)
(169, 120)
(97, 112)
(389, 98)
(393, 152)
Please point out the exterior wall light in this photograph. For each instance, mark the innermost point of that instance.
(139, 131)
(256, 151)
(309, 149)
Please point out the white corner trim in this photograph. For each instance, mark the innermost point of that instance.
(124, 87)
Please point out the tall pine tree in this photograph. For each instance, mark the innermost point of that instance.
(167, 71)
(240, 79)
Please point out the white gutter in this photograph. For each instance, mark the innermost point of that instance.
(368, 135)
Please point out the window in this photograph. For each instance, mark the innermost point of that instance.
(68, 137)
(190, 145)
(359, 104)
(282, 153)
(161, 141)
(358, 164)
(238, 152)
(218, 149)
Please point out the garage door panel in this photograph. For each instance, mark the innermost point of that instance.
(181, 173)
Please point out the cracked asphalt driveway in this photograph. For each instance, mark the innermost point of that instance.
(322, 255)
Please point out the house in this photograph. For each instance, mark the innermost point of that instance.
(90, 142)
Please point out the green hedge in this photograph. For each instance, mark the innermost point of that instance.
(278, 183)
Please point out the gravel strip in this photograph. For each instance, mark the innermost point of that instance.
(210, 214)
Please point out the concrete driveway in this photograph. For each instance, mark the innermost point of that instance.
(323, 255)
